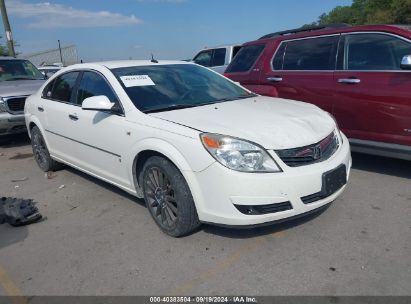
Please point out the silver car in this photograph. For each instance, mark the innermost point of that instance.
(19, 78)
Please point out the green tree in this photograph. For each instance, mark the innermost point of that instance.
(3, 49)
(401, 10)
(369, 12)
(340, 14)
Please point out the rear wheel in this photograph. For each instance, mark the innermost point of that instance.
(168, 197)
(41, 153)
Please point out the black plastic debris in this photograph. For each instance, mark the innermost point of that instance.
(18, 211)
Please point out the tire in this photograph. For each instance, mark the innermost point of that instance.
(41, 153)
(168, 197)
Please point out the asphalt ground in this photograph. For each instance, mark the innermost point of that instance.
(98, 240)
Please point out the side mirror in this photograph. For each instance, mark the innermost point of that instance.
(406, 62)
(97, 103)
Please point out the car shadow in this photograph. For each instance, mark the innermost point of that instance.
(241, 233)
(207, 228)
(15, 140)
(381, 165)
(105, 185)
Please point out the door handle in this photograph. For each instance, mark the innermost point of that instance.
(73, 117)
(275, 79)
(40, 109)
(349, 80)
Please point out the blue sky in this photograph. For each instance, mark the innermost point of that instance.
(171, 29)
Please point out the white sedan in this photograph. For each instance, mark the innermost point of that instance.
(196, 146)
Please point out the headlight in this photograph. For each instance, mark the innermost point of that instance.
(337, 128)
(237, 154)
(2, 106)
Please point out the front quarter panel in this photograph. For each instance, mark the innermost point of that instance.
(183, 148)
(29, 114)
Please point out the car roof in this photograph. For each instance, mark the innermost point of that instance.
(126, 63)
(221, 46)
(332, 29)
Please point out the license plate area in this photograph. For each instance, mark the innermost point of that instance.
(334, 180)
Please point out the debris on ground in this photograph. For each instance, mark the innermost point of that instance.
(72, 207)
(62, 186)
(50, 174)
(23, 179)
(18, 211)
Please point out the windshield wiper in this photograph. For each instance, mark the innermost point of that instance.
(170, 108)
(184, 106)
(247, 96)
(235, 98)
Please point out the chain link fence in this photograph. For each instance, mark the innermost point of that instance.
(52, 56)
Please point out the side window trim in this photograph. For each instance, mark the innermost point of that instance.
(285, 51)
(372, 71)
(73, 97)
(279, 46)
(340, 52)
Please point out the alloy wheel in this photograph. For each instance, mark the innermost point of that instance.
(40, 150)
(161, 198)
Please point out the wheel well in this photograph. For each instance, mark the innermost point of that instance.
(139, 161)
(32, 125)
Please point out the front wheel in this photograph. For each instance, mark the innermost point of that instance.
(168, 197)
(41, 153)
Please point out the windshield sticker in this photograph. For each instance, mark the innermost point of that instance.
(137, 81)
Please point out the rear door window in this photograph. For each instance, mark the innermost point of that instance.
(218, 57)
(245, 58)
(387, 52)
(63, 87)
(204, 58)
(313, 54)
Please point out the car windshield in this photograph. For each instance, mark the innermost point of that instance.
(168, 87)
(18, 70)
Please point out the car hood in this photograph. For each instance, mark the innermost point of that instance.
(273, 123)
(19, 87)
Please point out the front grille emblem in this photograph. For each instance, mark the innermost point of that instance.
(310, 154)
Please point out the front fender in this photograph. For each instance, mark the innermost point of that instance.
(33, 119)
(191, 157)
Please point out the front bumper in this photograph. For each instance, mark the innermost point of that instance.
(12, 123)
(217, 189)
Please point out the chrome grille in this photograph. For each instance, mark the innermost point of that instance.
(15, 104)
(310, 154)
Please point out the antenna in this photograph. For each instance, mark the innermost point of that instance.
(152, 59)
